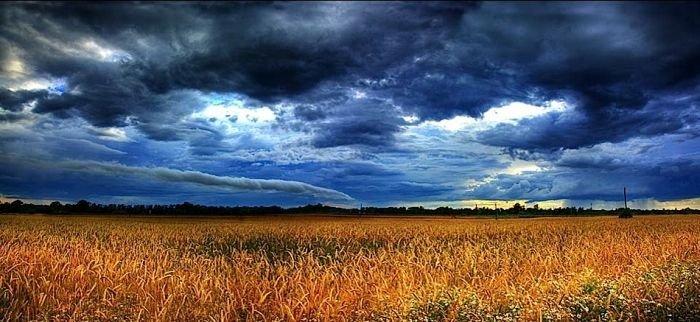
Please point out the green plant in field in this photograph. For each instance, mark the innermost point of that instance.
(448, 305)
(599, 300)
(508, 311)
(4, 299)
(670, 293)
(431, 310)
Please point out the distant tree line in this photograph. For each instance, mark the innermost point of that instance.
(517, 210)
(186, 208)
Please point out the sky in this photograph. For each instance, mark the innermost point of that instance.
(349, 103)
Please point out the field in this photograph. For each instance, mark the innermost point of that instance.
(349, 269)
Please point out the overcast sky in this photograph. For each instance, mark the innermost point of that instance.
(346, 103)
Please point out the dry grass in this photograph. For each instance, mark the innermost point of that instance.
(87, 268)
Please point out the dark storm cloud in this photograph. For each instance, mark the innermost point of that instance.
(363, 122)
(356, 132)
(309, 113)
(15, 100)
(572, 130)
(263, 51)
(608, 59)
(436, 60)
(268, 52)
(13, 117)
(611, 60)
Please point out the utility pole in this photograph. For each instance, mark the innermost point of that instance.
(625, 213)
(495, 208)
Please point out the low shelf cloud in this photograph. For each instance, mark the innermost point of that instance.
(165, 175)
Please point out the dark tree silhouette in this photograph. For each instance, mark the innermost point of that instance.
(16, 205)
(82, 206)
(517, 207)
(56, 207)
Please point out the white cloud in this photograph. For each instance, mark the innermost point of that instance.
(110, 133)
(515, 111)
(410, 118)
(14, 66)
(103, 53)
(518, 167)
(510, 113)
(237, 114)
(358, 94)
(456, 123)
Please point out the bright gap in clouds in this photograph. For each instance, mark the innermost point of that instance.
(509, 113)
(103, 53)
(110, 133)
(234, 112)
(410, 118)
(516, 167)
(53, 86)
(520, 166)
(14, 67)
(515, 111)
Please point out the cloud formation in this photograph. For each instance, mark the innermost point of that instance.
(310, 91)
(195, 177)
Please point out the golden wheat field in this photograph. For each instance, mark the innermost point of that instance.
(349, 269)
